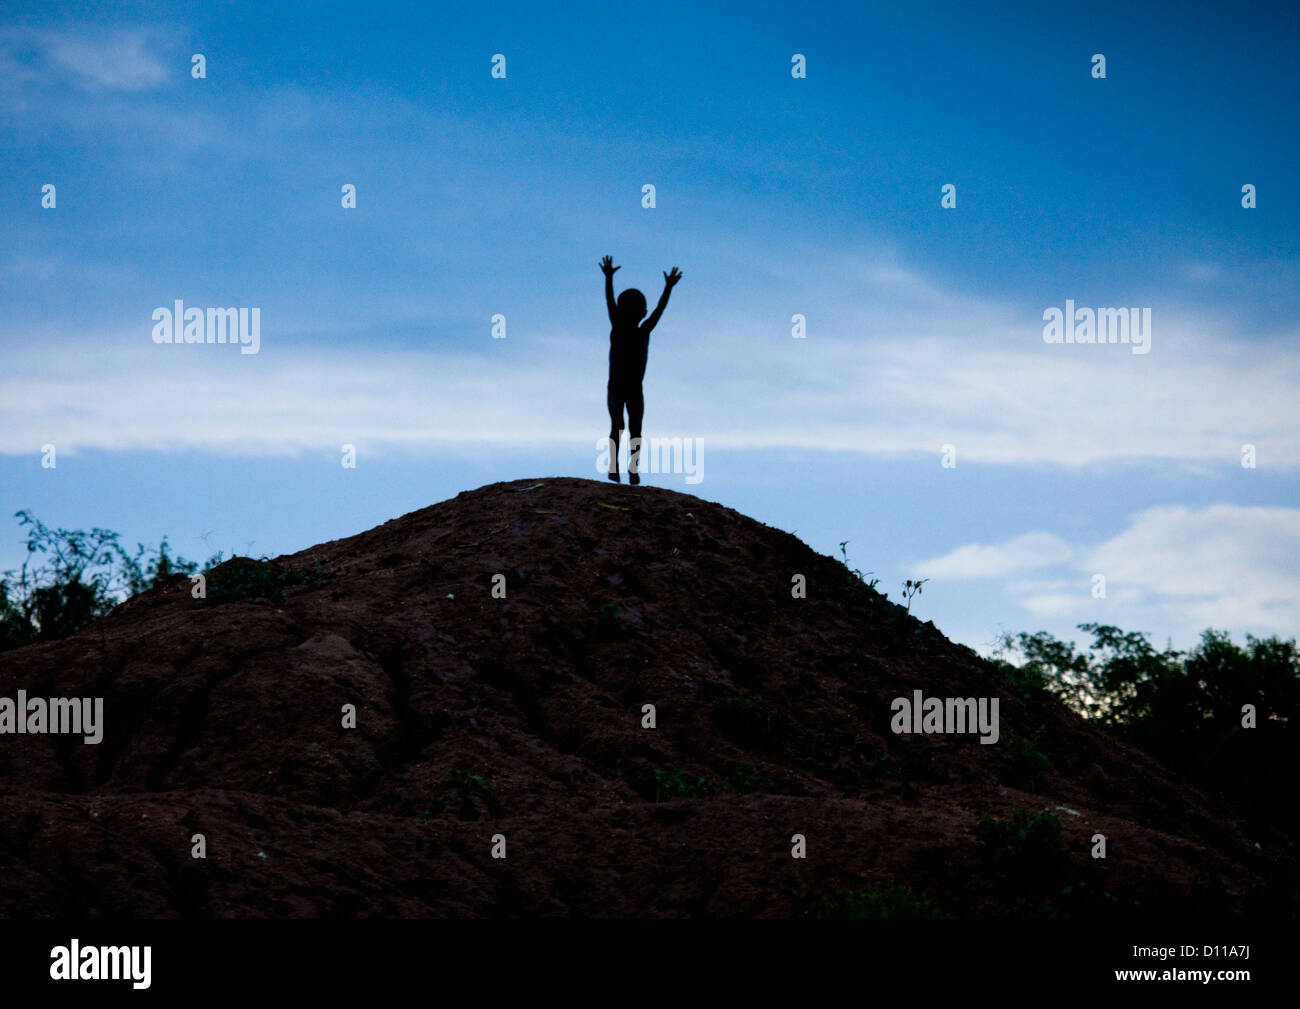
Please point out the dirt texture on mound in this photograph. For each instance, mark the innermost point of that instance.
(523, 716)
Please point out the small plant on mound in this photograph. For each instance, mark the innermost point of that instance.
(912, 589)
(1026, 764)
(255, 580)
(607, 620)
(861, 579)
(744, 778)
(887, 902)
(459, 790)
(671, 785)
(1036, 878)
(659, 784)
(1031, 838)
(1025, 853)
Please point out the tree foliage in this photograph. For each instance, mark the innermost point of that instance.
(1188, 710)
(71, 577)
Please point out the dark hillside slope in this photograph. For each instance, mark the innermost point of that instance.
(521, 716)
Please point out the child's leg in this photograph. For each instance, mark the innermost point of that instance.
(635, 411)
(614, 403)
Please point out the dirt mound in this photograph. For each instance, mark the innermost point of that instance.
(523, 716)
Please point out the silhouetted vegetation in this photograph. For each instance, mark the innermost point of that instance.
(256, 580)
(858, 576)
(71, 577)
(912, 589)
(1025, 854)
(1187, 710)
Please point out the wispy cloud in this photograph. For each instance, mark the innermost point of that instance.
(977, 560)
(978, 378)
(1176, 568)
(122, 60)
(1223, 566)
(897, 359)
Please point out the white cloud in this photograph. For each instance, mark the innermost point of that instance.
(1180, 569)
(1224, 565)
(984, 384)
(894, 362)
(214, 398)
(1024, 553)
(124, 60)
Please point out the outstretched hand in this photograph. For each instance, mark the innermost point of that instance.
(671, 278)
(607, 266)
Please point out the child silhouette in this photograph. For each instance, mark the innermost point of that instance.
(629, 342)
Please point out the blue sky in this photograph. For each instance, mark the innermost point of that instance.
(776, 196)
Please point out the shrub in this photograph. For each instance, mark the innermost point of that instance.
(71, 577)
(671, 785)
(254, 580)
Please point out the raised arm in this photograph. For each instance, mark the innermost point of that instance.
(607, 267)
(670, 281)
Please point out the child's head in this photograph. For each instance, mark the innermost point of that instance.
(631, 305)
